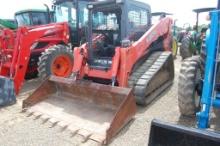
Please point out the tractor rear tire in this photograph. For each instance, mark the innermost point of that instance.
(56, 60)
(185, 47)
(188, 86)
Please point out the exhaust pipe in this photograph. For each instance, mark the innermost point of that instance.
(48, 13)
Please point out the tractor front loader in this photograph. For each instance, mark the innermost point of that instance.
(167, 134)
(198, 95)
(15, 56)
(46, 48)
(30, 18)
(125, 58)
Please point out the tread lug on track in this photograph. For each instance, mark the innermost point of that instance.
(152, 77)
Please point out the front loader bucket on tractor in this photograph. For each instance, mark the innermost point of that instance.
(98, 110)
(165, 134)
(7, 91)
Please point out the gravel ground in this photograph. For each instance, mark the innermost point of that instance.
(19, 129)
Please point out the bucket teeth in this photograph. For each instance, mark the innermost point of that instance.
(65, 126)
(37, 115)
(86, 134)
(87, 110)
(44, 118)
(53, 122)
(29, 113)
(98, 138)
(91, 143)
(73, 129)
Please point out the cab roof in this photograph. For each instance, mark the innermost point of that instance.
(100, 3)
(160, 13)
(201, 10)
(30, 10)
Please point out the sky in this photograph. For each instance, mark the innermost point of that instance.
(182, 9)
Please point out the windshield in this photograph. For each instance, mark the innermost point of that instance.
(102, 21)
(83, 14)
(107, 23)
(23, 19)
(31, 18)
(39, 18)
(66, 12)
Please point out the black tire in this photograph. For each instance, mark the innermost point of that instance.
(31, 76)
(185, 47)
(48, 57)
(180, 36)
(189, 86)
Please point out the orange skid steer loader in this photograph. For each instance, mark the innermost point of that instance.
(125, 58)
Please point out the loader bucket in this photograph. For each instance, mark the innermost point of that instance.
(7, 91)
(165, 134)
(98, 110)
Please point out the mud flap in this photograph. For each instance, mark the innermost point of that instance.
(7, 91)
(98, 110)
(165, 134)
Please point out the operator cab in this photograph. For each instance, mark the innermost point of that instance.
(32, 17)
(116, 22)
(74, 12)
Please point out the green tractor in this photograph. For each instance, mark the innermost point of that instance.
(191, 43)
(7, 23)
(32, 17)
(28, 17)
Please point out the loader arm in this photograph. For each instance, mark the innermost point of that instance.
(15, 66)
(162, 28)
(53, 34)
(131, 55)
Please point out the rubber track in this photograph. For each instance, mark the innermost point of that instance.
(136, 75)
(142, 76)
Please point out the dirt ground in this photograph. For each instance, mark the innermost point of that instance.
(19, 129)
